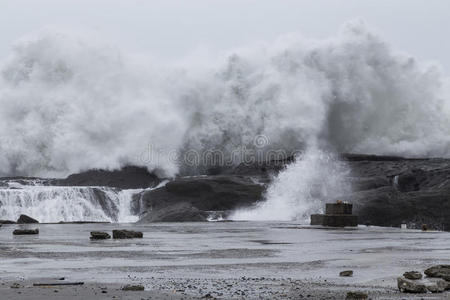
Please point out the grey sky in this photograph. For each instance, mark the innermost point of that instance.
(170, 28)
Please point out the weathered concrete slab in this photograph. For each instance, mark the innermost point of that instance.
(317, 219)
(334, 220)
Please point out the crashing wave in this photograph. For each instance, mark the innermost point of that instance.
(70, 103)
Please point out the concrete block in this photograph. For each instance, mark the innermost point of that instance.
(334, 220)
(317, 219)
(340, 220)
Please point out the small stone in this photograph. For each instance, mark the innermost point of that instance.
(356, 296)
(438, 286)
(410, 286)
(25, 231)
(346, 273)
(15, 285)
(99, 235)
(208, 296)
(130, 287)
(413, 275)
(127, 234)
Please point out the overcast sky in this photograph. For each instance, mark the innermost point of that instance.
(170, 28)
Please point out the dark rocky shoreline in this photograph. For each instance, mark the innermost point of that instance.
(387, 190)
(395, 191)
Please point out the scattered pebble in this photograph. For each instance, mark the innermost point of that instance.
(356, 296)
(413, 275)
(346, 273)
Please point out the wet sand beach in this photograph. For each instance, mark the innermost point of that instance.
(223, 260)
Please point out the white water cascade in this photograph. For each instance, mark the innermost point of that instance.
(55, 204)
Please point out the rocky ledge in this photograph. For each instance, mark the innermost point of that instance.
(196, 198)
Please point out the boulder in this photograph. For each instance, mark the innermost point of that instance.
(130, 287)
(410, 286)
(356, 296)
(25, 231)
(99, 235)
(439, 271)
(413, 275)
(126, 234)
(438, 286)
(24, 219)
(346, 273)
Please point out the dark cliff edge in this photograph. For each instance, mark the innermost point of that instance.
(129, 177)
(389, 192)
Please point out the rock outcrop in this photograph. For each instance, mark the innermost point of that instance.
(389, 191)
(192, 198)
